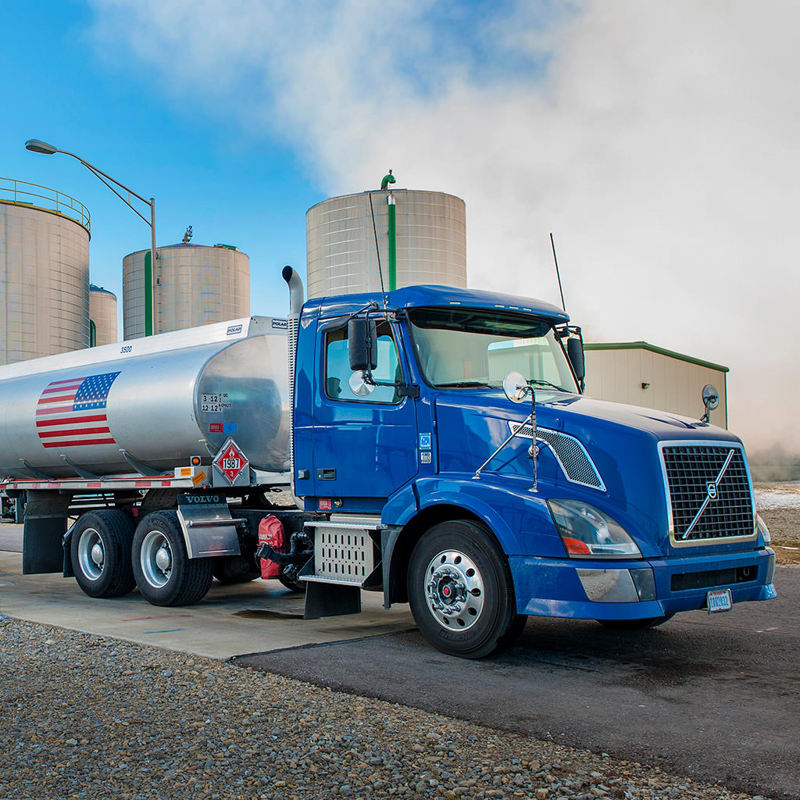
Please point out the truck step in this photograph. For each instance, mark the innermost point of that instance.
(344, 550)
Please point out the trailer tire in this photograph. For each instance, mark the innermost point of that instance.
(164, 573)
(230, 570)
(461, 592)
(100, 550)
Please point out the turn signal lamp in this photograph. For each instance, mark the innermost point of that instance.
(195, 461)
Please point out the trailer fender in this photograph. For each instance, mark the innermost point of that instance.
(67, 569)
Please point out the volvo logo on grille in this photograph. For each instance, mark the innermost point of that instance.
(711, 489)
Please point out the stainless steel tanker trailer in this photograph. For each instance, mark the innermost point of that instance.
(147, 447)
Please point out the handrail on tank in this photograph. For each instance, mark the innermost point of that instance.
(12, 190)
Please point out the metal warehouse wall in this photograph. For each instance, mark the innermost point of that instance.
(674, 381)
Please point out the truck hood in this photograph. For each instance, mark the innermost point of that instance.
(620, 441)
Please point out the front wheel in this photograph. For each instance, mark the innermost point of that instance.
(164, 573)
(460, 591)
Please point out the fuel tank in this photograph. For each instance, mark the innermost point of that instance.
(149, 404)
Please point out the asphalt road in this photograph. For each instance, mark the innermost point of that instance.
(716, 698)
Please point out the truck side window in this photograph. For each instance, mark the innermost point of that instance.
(337, 367)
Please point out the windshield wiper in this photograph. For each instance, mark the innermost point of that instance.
(543, 382)
(464, 385)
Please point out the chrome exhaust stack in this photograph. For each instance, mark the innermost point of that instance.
(296, 298)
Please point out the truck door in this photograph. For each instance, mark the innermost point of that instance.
(364, 445)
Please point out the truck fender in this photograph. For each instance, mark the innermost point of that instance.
(441, 502)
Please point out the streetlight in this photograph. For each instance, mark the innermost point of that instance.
(38, 146)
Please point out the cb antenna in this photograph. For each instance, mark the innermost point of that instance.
(558, 274)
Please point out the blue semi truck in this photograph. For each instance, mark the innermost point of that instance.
(440, 451)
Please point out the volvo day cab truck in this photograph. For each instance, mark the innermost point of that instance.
(431, 444)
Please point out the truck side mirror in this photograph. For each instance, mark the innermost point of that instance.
(362, 344)
(575, 353)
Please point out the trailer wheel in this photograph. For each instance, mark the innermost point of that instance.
(230, 570)
(460, 591)
(100, 549)
(634, 624)
(164, 573)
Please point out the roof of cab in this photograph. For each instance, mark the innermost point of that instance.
(437, 296)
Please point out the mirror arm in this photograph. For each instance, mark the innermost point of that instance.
(404, 389)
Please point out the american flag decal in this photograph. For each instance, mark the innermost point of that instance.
(72, 413)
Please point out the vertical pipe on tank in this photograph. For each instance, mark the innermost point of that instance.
(392, 242)
(148, 294)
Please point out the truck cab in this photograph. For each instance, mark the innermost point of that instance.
(443, 447)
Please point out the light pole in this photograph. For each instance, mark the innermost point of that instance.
(38, 146)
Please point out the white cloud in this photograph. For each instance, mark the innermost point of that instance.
(660, 145)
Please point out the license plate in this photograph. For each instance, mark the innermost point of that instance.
(719, 600)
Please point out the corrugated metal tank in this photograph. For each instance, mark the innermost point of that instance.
(44, 272)
(103, 314)
(197, 285)
(340, 241)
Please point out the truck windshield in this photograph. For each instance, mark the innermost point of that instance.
(467, 348)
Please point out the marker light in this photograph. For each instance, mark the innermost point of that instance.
(587, 532)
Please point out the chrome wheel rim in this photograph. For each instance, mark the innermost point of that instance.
(91, 554)
(454, 590)
(155, 559)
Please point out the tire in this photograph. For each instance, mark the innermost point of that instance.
(164, 573)
(634, 624)
(230, 570)
(100, 549)
(460, 591)
(288, 577)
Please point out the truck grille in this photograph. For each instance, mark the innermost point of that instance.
(695, 478)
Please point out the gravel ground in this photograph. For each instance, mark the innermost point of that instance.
(779, 505)
(91, 717)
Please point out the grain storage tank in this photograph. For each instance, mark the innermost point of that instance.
(44, 272)
(196, 285)
(102, 316)
(431, 243)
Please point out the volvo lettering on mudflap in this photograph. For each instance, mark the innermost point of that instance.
(433, 445)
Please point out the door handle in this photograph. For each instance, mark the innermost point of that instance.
(326, 474)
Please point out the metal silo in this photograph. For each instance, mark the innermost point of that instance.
(44, 272)
(430, 235)
(195, 285)
(102, 316)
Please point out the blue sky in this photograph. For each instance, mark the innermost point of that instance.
(200, 168)
(658, 141)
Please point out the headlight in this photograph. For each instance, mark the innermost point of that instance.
(763, 529)
(589, 533)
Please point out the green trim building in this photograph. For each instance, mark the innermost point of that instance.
(643, 374)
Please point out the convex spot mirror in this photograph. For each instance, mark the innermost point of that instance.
(515, 387)
(358, 386)
(710, 397)
(362, 344)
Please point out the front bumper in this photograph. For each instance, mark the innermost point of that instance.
(554, 588)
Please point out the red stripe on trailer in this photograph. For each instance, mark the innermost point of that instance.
(73, 432)
(60, 399)
(142, 483)
(166, 483)
(78, 443)
(66, 387)
(68, 380)
(59, 410)
(94, 485)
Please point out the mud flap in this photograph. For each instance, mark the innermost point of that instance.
(43, 532)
